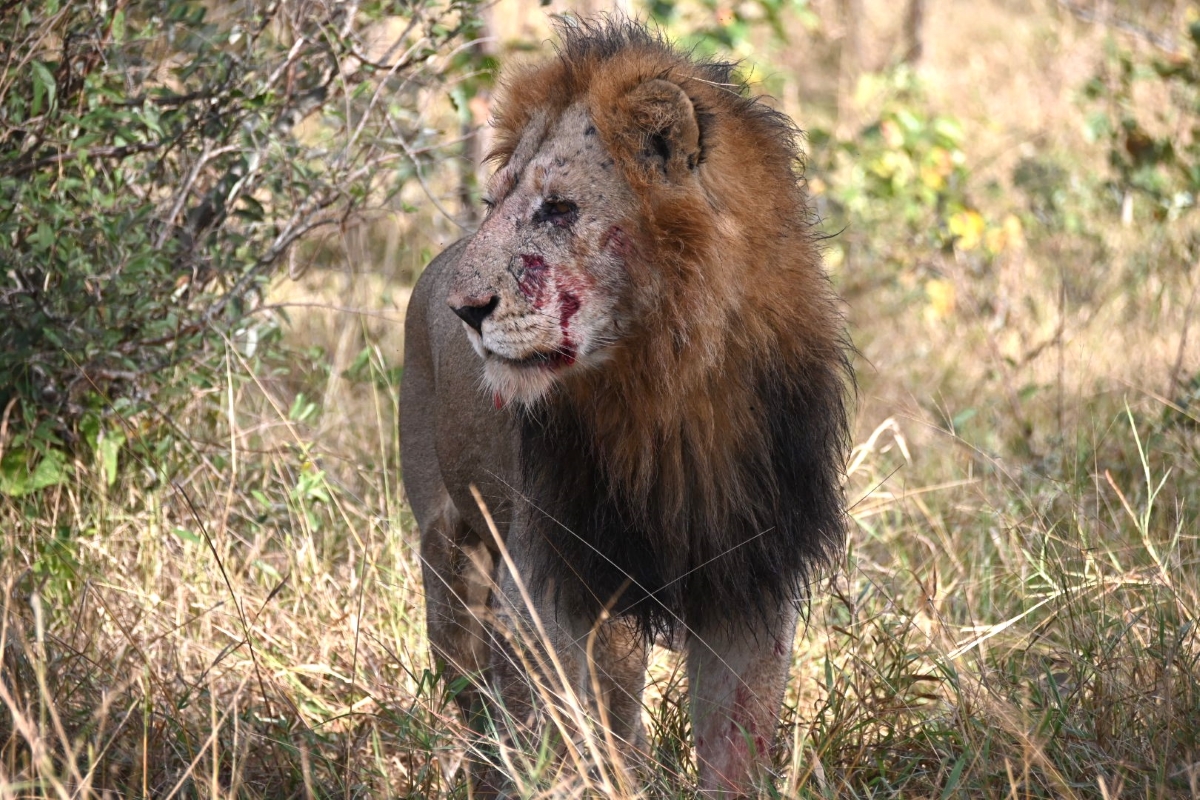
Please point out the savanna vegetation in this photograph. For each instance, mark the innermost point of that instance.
(210, 217)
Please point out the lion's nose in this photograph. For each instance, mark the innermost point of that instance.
(476, 310)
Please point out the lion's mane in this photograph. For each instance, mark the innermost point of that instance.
(697, 476)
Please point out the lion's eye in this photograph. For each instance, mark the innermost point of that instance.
(557, 211)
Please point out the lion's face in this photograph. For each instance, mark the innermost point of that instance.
(542, 288)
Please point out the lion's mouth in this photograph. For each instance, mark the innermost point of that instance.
(546, 359)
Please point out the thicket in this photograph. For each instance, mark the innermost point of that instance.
(159, 161)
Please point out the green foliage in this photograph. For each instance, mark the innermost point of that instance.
(1056, 199)
(1153, 147)
(157, 161)
(728, 28)
(1145, 109)
(903, 178)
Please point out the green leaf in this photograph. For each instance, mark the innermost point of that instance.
(188, 536)
(17, 480)
(1096, 127)
(89, 426)
(952, 789)
(14, 475)
(44, 86)
(302, 409)
(109, 446)
(50, 471)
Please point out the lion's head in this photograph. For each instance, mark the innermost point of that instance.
(637, 193)
(543, 288)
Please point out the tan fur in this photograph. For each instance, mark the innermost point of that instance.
(645, 287)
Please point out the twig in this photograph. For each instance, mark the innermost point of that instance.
(4, 424)
(1122, 24)
(425, 187)
(262, 686)
(86, 153)
(206, 155)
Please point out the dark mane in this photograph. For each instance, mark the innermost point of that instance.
(601, 39)
(585, 46)
(745, 559)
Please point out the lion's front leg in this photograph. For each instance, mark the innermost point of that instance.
(736, 676)
(618, 655)
(457, 571)
(538, 660)
(540, 649)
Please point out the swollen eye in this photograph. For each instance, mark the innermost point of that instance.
(559, 212)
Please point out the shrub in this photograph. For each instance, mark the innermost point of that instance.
(157, 162)
(1153, 147)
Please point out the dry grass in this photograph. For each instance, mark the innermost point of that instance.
(240, 613)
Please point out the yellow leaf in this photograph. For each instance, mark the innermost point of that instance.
(1013, 228)
(995, 241)
(931, 177)
(940, 161)
(967, 227)
(1008, 235)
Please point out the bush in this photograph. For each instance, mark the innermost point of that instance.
(903, 174)
(1153, 147)
(157, 162)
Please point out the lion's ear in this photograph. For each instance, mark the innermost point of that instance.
(662, 125)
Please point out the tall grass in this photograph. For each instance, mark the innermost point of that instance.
(252, 627)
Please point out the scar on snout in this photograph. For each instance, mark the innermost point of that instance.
(532, 280)
(568, 304)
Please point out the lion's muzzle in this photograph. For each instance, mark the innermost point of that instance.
(474, 310)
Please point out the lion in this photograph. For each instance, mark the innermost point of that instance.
(640, 365)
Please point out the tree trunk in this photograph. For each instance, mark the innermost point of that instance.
(914, 32)
(473, 126)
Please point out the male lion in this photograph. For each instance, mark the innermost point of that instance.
(639, 362)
